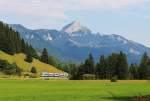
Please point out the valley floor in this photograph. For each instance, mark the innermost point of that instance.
(65, 90)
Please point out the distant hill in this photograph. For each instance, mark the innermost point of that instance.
(25, 66)
(74, 42)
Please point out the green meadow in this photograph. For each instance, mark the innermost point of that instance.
(65, 90)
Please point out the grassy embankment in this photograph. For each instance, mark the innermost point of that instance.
(25, 66)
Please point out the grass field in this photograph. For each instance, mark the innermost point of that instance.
(53, 90)
(25, 66)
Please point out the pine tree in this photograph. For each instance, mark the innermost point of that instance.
(44, 56)
(100, 68)
(89, 67)
(28, 54)
(28, 58)
(144, 65)
(23, 46)
(122, 66)
(134, 71)
(33, 52)
(109, 68)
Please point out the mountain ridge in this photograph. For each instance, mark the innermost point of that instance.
(80, 41)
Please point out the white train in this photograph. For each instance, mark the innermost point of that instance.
(61, 75)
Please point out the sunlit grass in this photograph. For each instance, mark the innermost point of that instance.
(25, 66)
(65, 90)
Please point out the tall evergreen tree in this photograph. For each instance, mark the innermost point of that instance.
(122, 66)
(133, 71)
(28, 57)
(23, 46)
(44, 56)
(109, 67)
(100, 68)
(89, 66)
(33, 52)
(144, 65)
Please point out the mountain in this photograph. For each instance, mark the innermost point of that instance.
(74, 42)
(75, 27)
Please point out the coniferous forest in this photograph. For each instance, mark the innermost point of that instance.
(11, 43)
(113, 66)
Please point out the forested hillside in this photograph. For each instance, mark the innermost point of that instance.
(17, 56)
(11, 43)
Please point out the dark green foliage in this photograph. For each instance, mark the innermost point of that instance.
(144, 68)
(53, 61)
(23, 48)
(88, 77)
(9, 69)
(133, 71)
(115, 64)
(10, 40)
(114, 79)
(32, 52)
(112, 67)
(100, 68)
(89, 66)
(11, 43)
(33, 70)
(44, 56)
(122, 66)
(28, 58)
(74, 72)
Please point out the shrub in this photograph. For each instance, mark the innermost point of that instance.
(88, 77)
(26, 75)
(114, 79)
(33, 70)
(148, 78)
(28, 58)
(9, 69)
(33, 76)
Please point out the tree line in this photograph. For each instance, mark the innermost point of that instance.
(115, 65)
(12, 43)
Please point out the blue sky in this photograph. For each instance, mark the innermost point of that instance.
(129, 18)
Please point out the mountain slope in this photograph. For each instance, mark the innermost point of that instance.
(25, 66)
(14, 49)
(74, 42)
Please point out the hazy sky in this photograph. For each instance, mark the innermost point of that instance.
(129, 18)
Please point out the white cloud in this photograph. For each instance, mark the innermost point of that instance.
(49, 8)
(56, 9)
(108, 4)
